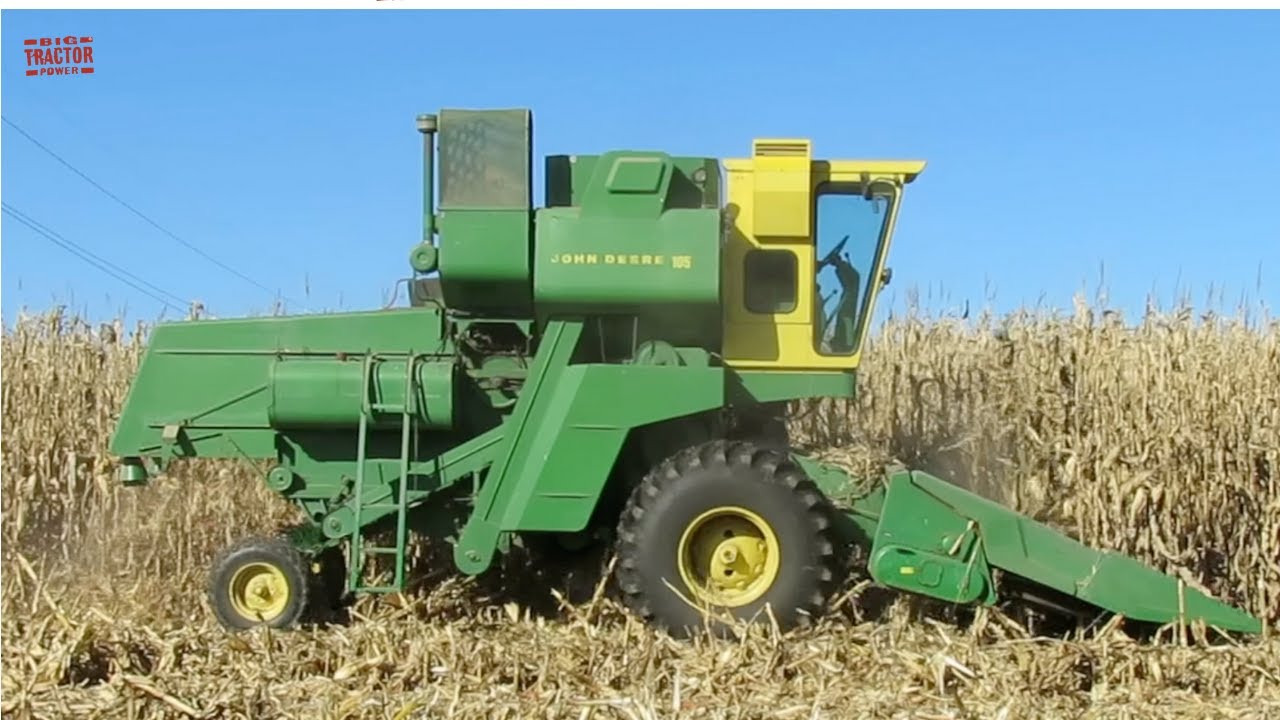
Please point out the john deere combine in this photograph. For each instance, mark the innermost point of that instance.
(617, 360)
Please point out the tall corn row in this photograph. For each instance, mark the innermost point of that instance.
(63, 511)
(1160, 440)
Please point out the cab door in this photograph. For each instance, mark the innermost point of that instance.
(804, 252)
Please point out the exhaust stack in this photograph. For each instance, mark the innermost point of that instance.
(424, 257)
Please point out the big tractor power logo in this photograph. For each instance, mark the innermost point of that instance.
(67, 55)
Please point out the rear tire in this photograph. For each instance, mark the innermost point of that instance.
(730, 527)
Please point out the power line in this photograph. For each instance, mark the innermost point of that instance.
(82, 251)
(140, 214)
(155, 293)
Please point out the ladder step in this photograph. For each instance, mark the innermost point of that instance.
(397, 503)
(381, 550)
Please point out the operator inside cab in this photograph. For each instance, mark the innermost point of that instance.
(803, 258)
(839, 281)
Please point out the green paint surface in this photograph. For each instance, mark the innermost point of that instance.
(933, 538)
(212, 379)
(572, 341)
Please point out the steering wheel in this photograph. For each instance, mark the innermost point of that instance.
(835, 253)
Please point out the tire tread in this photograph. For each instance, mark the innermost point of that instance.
(283, 552)
(775, 467)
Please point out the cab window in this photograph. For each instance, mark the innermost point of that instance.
(770, 286)
(849, 229)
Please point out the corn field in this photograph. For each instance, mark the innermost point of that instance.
(1160, 439)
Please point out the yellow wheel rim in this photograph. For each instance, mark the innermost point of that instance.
(259, 591)
(729, 556)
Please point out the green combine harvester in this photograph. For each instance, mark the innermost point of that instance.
(616, 363)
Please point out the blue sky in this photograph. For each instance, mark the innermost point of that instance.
(1064, 149)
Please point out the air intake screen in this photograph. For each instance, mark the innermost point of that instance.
(485, 158)
(782, 148)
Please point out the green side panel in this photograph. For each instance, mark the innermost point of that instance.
(925, 547)
(321, 463)
(310, 392)
(763, 386)
(637, 176)
(564, 435)
(628, 185)
(584, 262)
(479, 539)
(632, 243)
(695, 181)
(484, 260)
(212, 378)
(1018, 545)
(560, 469)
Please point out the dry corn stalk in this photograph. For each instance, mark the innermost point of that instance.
(1162, 441)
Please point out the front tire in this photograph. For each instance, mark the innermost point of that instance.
(260, 581)
(732, 528)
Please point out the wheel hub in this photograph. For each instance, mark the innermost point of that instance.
(259, 591)
(729, 556)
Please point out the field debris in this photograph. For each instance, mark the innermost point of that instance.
(1160, 440)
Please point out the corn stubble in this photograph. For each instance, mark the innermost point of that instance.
(1160, 440)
